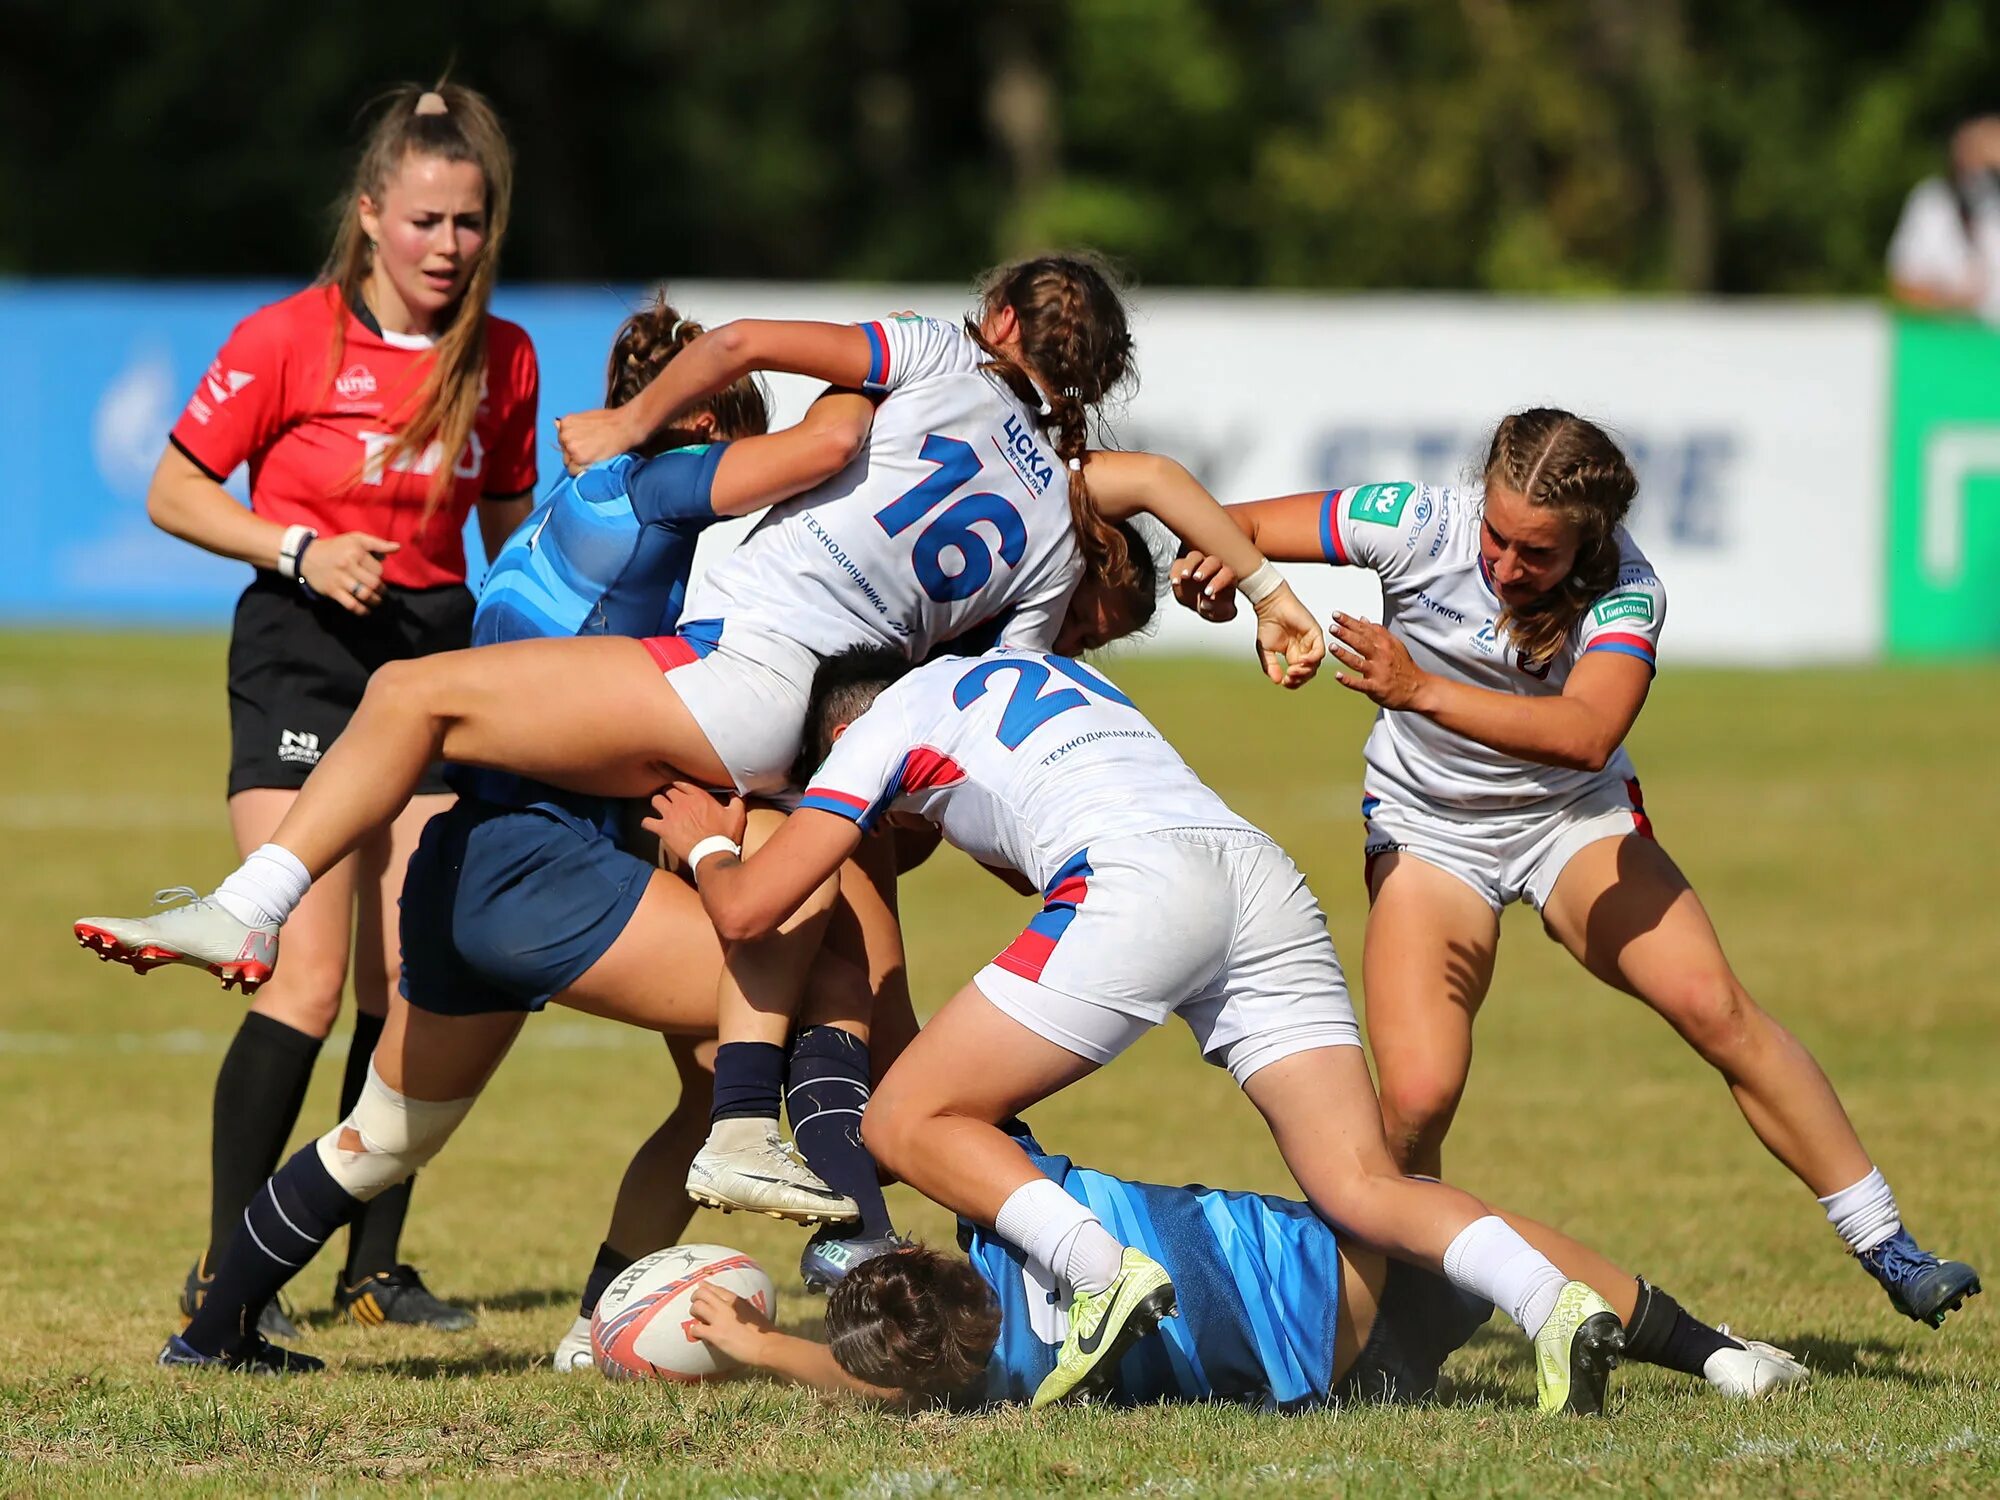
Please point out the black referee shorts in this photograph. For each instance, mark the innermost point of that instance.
(297, 668)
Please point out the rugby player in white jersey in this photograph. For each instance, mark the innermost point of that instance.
(967, 510)
(1516, 651)
(1159, 900)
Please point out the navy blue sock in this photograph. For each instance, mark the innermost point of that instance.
(374, 1242)
(609, 1266)
(828, 1091)
(287, 1221)
(749, 1081)
(1661, 1333)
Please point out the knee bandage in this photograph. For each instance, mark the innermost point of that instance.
(398, 1135)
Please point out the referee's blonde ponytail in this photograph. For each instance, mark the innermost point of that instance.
(456, 123)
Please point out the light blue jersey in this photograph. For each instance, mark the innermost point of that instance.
(608, 553)
(1258, 1279)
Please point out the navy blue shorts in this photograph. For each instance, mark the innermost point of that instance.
(1419, 1321)
(505, 906)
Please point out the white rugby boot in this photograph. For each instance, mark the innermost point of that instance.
(765, 1176)
(1753, 1371)
(200, 933)
(573, 1353)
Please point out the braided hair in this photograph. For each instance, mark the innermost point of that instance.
(645, 343)
(1076, 351)
(1555, 458)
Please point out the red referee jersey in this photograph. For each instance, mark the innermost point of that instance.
(317, 440)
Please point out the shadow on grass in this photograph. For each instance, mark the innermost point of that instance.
(488, 1361)
(528, 1299)
(1871, 1359)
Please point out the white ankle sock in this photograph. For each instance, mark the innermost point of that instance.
(1060, 1235)
(265, 888)
(1864, 1213)
(1491, 1260)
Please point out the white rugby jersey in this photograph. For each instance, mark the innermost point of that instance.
(1422, 541)
(1020, 757)
(954, 516)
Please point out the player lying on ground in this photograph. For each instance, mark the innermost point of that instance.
(1159, 901)
(1276, 1311)
(1515, 657)
(858, 561)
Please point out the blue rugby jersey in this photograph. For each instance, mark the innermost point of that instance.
(1258, 1279)
(608, 553)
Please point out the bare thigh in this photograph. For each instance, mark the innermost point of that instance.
(662, 971)
(932, 1120)
(305, 991)
(439, 1058)
(591, 713)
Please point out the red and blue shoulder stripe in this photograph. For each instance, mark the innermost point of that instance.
(1625, 644)
(878, 359)
(1329, 528)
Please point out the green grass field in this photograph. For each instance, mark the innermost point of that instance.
(1842, 825)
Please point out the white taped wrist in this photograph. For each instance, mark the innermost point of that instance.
(1262, 584)
(715, 843)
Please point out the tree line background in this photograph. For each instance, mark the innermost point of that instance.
(1744, 146)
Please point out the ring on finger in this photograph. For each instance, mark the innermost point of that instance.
(357, 588)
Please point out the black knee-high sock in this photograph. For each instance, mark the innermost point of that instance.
(828, 1090)
(609, 1266)
(377, 1236)
(258, 1091)
(286, 1222)
(1661, 1333)
(749, 1081)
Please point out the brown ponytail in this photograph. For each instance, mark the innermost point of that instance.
(464, 129)
(1076, 341)
(644, 345)
(1555, 458)
(913, 1320)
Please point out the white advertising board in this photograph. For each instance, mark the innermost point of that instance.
(1758, 429)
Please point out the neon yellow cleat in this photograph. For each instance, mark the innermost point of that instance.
(1103, 1325)
(1575, 1352)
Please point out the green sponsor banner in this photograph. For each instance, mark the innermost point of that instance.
(1624, 607)
(1379, 502)
(1944, 489)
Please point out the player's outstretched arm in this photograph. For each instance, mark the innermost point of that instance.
(747, 898)
(838, 353)
(730, 1325)
(1581, 727)
(760, 471)
(1290, 645)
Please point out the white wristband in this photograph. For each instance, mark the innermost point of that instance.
(715, 843)
(290, 545)
(1261, 584)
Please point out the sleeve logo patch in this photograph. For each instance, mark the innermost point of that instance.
(1380, 503)
(1624, 607)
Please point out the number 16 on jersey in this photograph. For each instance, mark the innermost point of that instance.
(953, 530)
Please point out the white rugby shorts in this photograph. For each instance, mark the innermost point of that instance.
(1216, 926)
(749, 693)
(1510, 854)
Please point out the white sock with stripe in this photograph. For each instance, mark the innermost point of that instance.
(1060, 1235)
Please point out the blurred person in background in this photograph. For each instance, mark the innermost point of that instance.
(375, 409)
(1946, 252)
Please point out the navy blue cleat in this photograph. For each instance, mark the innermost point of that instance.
(258, 1357)
(828, 1258)
(1920, 1285)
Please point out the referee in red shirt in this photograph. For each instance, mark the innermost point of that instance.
(375, 409)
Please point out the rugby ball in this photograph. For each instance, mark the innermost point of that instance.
(643, 1328)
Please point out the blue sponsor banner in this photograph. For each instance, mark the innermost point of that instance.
(93, 377)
